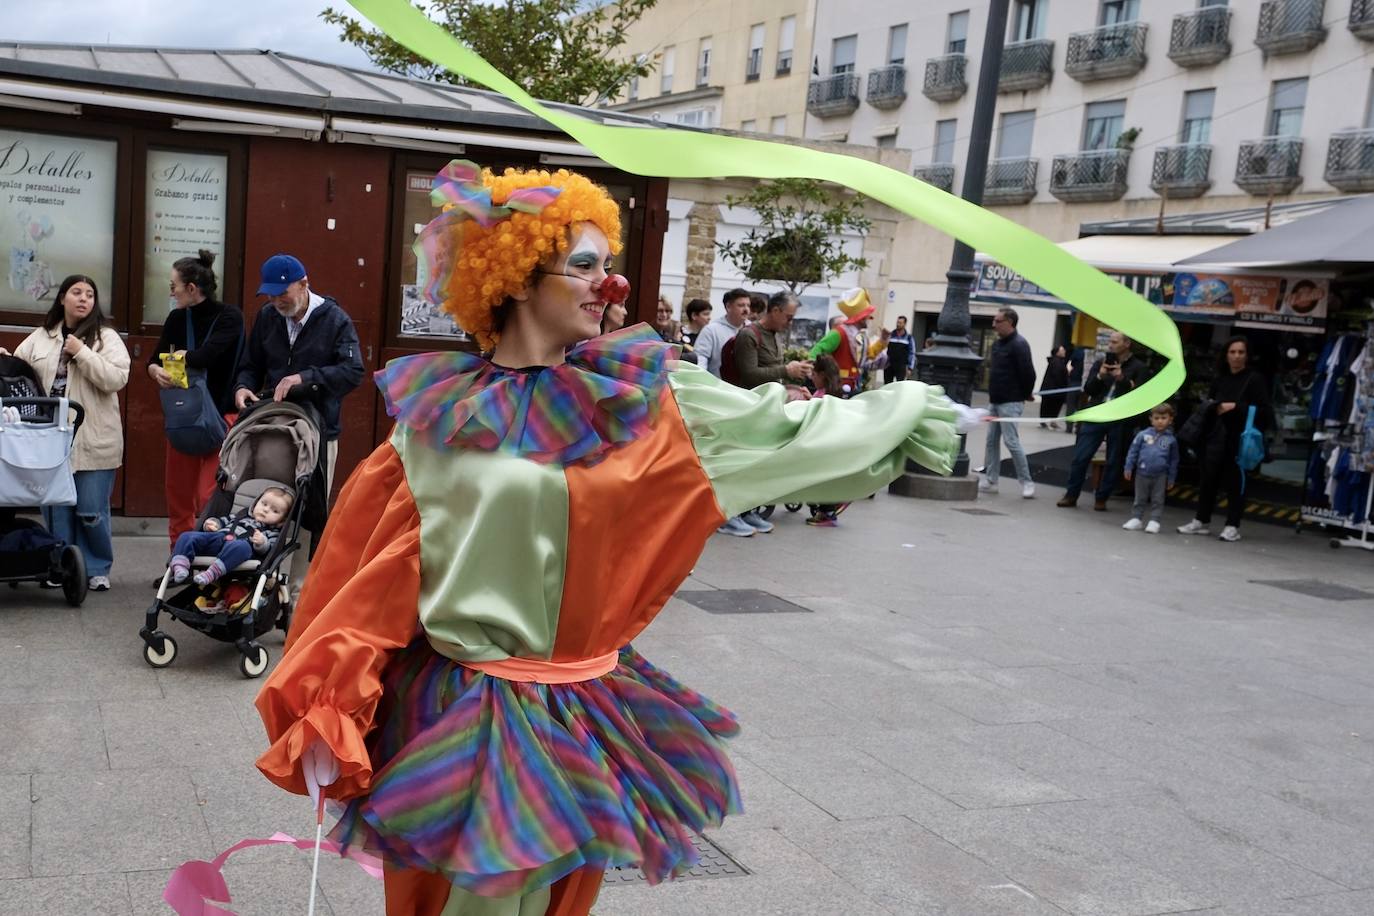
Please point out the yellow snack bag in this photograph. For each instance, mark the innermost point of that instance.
(175, 365)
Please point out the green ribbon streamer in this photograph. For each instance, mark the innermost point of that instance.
(671, 153)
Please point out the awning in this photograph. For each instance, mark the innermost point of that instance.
(1339, 234)
(1142, 252)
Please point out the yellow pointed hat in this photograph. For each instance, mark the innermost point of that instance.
(855, 305)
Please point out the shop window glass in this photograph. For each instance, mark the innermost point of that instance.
(185, 209)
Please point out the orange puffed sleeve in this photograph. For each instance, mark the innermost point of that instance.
(359, 605)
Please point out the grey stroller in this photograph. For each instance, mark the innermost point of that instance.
(270, 445)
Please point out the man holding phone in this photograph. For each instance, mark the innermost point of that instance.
(1116, 373)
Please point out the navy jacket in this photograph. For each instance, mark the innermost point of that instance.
(1011, 373)
(326, 355)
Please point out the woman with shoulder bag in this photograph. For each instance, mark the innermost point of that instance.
(210, 335)
(78, 355)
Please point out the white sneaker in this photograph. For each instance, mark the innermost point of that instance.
(1194, 527)
(985, 486)
(1152, 528)
(1134, 524)
(1027, 491)
(1229, 533)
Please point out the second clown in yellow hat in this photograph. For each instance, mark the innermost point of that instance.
(855, 305)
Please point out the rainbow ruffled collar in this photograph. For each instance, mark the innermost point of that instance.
(605, 395)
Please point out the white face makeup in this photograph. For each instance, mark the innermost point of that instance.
(565, 301)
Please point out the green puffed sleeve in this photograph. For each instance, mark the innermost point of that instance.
(758, 449)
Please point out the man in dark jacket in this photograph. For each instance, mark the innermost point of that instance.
(303, 339)
(1011, 383)
(1112, 376)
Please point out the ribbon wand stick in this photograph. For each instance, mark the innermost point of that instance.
(315, 868)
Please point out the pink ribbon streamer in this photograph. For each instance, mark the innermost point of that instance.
(196, 884)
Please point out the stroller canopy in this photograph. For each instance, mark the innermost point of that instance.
(277, 441)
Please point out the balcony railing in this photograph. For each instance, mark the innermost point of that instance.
(830, 96)
(1290, 26)
(1010, 181)
(886, 86)
(1201, 38)
(753, 65)
(1182, 171)
(1361, 19)
(940, 174)
(1026, 65)
(1269, 165)
(1350, 160)
(1109, 52)
(1090, 175)
(945, 80)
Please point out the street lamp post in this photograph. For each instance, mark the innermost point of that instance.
(951, 362)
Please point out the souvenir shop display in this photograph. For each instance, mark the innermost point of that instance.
(1338, 488)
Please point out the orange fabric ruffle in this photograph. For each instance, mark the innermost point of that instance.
(359, 605)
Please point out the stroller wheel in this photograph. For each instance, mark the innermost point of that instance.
(765, 512)
(255, 665)
(74, 581)
(792, 507)
(165, 657)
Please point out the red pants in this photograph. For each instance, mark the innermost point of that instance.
(422, 893)
(190, 481)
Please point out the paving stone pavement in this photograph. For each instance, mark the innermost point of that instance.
(1025, 713)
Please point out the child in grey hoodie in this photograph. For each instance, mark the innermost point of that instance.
(1152, 463)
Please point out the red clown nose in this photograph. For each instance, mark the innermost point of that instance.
(614, 290)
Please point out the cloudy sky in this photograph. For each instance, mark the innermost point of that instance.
(291, 26)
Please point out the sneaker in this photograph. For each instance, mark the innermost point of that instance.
(1135, 524)
(1067, 502)
(1027, 490)
(736, 528)
(822, 521)
(757, 522)
(1229, 533)
(102, 583)
(1152, 528)
(1194, 527)
(987, 486)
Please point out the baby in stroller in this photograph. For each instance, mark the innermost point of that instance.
(232, 539)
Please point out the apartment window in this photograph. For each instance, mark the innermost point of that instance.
(754, 65)
(1203, 4)
(1028, 20)
(633, 88)
(944, 141)
(696, 117)
(1369, 107)
(956, 39)
(787, 35)
(1102, 124)
(749, 126)
(896, 45)
(887, 142)
(1197, 116)
(704, 62)
(1114, 11)
(1285, 107)
(665, 75)
(842, 54)
(1014, 134)
(778, 125)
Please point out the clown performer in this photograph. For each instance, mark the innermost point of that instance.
(848, 340)
(459, 671)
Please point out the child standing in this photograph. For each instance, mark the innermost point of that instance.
(1152, 463)
(232, 539)
(825, 378)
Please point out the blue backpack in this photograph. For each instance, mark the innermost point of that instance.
(1251, 451)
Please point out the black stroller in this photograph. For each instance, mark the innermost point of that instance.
(270, 445)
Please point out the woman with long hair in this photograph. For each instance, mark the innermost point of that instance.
(77, 354)
(1055, 378)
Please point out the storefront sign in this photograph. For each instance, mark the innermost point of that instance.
(184, 208)
(57, 214)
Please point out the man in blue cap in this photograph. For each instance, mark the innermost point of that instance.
(304, 339)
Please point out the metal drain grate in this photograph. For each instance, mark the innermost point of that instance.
(741, 601)
(714, 864)
(1315, 588)
(979, 512)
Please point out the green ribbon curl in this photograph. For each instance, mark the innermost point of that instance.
(671, 153)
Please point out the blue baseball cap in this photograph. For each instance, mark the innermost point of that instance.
(279, 272)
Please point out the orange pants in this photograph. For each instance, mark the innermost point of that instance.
(190, 481)
(423, 893)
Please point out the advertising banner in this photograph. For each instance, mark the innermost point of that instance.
(184, 205)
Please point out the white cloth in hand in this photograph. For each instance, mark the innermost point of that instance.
(969, 417)
(320, 768)
(10, 414)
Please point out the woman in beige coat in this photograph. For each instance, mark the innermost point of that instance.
(78, 355)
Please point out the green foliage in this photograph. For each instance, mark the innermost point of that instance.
(557, 50)
(797, 240)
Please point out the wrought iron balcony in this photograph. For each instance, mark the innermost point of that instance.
(1109, 52)
(1026, 65)
(1182, 171)
(1010, 181)
(940, 174)
(1201, 38)
(1361, 19)
(945, 80)
(830, 96)
(1269, 165)
(887, 86)
(1290, 26)
(1090, 175)
(1350, 160)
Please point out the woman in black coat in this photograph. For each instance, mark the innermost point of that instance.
(1056, 376)
(1237, 388)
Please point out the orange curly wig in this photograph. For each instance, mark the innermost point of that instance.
(491, 264)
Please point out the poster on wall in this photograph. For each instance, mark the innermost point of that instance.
(184, 211)
(57, 215)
